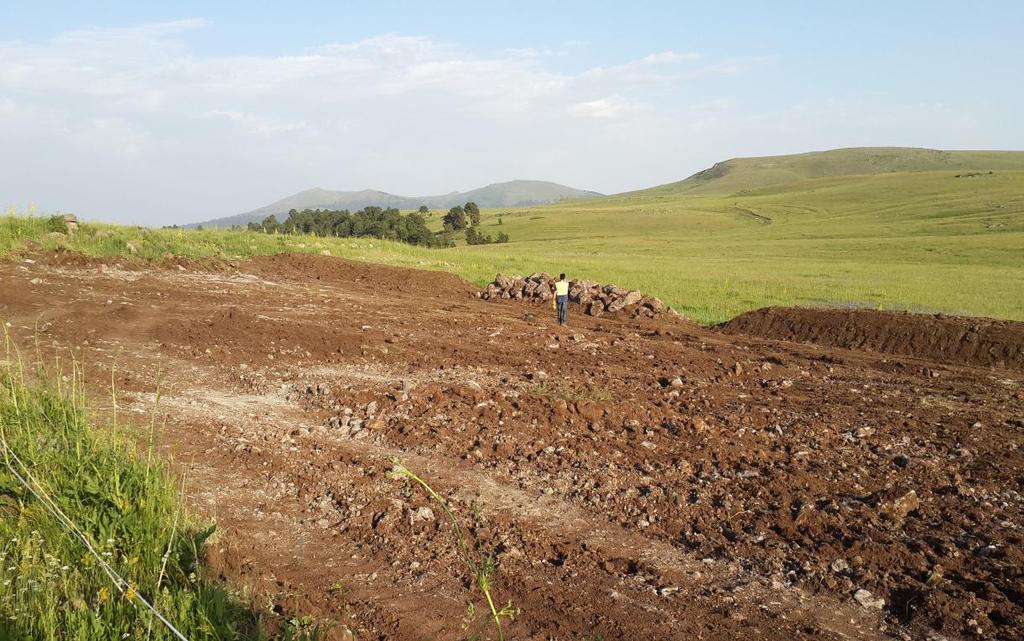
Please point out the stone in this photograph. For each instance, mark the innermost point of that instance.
(868, 600)
(421, 514)
(615, 304)
(632, 297)
(899, 508)
(596, 308)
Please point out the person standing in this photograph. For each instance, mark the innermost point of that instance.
(562, 299)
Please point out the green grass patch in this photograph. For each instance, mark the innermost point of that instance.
(128, 508)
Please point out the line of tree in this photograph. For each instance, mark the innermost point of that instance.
(389, 224)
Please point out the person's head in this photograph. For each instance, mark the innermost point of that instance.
(561, 277)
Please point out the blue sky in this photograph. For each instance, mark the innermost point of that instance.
(169, 112)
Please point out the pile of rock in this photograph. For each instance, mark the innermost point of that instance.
(594, 298)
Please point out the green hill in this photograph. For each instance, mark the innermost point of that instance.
(893, 228)
(748, 174)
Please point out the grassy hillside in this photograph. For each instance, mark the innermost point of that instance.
(918, 239)
(741, 175)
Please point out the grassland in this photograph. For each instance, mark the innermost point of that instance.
(903, 233)
(126, 505)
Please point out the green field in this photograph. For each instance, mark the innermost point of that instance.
(889, 228)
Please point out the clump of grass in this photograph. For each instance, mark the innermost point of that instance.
(483, 569)
(126, 507)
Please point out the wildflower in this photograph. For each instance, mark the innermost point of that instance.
(103, 595)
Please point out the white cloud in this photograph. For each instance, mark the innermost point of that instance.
(134, 124)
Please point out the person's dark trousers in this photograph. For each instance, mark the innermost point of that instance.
(563, 309)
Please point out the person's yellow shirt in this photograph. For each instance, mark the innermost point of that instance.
(562, 288)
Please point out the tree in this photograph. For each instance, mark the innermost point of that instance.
(499, 221)
(424, 209)
(270, 224)
(455, 218)
(474, 213)
(502, 237)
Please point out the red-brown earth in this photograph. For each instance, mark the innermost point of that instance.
(634, 479)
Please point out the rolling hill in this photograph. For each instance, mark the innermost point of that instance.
(515, 193)
(750, 174)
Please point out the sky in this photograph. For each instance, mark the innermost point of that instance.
(161, 113)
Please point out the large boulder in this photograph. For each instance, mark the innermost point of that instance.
(596, 308)
(503, 281)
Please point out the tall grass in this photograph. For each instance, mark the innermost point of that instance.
(127, 507)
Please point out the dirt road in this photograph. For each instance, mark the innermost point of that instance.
(634, 480)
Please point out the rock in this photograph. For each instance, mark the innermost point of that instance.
(615, 304)
(421, 514)
(865, 432)
(596, 308)
(539, 375)
(868, 600)
(698, 424)
(502, 281)
(653, 304)
(371, 409)
(676, 382)
(632, 297)
(839, 566)
(899, 508)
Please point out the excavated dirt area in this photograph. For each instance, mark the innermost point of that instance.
(641, 479)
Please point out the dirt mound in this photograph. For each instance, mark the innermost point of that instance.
(949, 339)
(382, 278)
(594, 298)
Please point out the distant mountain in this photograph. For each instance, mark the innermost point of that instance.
(516, 193)
(745, 174)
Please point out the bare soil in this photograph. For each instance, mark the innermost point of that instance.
(635, 479)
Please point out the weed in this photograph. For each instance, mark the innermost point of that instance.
(483, 569)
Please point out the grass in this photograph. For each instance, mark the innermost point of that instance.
(766, 233)
(127, 507)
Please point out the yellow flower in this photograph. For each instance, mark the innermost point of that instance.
(130, 593)
(103, 595)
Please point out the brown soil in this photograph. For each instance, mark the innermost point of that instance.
(946, 339)
(635, 479)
